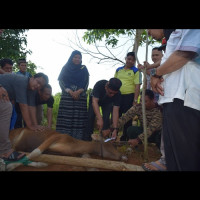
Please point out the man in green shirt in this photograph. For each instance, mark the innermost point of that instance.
(129, 75)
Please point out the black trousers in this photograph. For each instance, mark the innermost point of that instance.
(181, 136)
(106, 112)
(134, 131)
(125, 105)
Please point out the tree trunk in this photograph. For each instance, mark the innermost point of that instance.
(144, 107)
(135, 48)
(138, 37)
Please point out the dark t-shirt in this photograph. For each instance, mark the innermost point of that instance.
(49, 102)
(16, 86)
(100, 93)
(34, 99)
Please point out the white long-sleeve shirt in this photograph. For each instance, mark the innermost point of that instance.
(184, 83)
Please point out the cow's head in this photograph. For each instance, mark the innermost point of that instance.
(111, 152)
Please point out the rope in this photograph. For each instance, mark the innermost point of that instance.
(25, 161)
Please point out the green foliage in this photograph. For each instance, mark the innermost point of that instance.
(55, 111)
(13, 44)
(31, 68)
(111, 36)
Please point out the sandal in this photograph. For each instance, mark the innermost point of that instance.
(157, 164)
(14, 156)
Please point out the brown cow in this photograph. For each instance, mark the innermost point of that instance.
(50, 141)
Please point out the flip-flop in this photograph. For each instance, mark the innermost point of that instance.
(155, 165)
(14, 156)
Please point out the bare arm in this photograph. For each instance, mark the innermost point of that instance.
(96, 107)
(175, 61)
(97, 112)
(26, 116)
(25, 113)
(154, 65)
(2, 71)
(3, 94)
(115, 120)
(115, 116)
(32, 112)
(137, 92)
(49, 117)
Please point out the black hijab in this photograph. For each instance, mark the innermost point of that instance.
(72, 74)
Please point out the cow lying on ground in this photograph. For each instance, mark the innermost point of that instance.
(52, 142)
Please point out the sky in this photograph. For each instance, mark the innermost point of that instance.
(51, 50)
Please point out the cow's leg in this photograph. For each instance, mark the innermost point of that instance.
(36, 152)
(38, 164)
(17, 139)
(44, 146)
(12, 166)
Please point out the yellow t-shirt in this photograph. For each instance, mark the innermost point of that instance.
(129, 78)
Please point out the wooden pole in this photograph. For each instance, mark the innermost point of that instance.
(143, 92)
(86, 162)
(144, 107)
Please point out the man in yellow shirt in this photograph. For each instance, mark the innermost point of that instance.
(129, 75)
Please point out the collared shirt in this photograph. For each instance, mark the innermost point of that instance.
(27, 74)
(35, 100)
(183, 83)
(129, 78)
(153, 116)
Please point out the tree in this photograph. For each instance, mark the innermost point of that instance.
(141, 36)
(13, 44)
(110, 45)
(31, 67)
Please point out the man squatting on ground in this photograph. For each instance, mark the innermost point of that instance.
(154, 120)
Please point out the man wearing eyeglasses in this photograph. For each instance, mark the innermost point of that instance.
(106, 95)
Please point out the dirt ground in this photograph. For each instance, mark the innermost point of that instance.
(135, 157)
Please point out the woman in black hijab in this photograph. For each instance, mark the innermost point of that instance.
(72, 113)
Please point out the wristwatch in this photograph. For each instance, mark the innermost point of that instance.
(153, 73)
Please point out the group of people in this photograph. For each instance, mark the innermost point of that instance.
(172, 101)
(112, 103)
(21, 96)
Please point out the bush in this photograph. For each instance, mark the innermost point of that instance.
(55, 111)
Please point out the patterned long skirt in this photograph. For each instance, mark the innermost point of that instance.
(72, 115)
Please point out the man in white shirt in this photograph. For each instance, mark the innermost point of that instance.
(177, 82)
